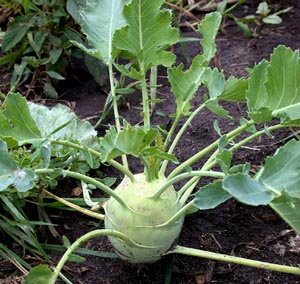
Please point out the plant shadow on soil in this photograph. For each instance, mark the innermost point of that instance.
(232, 228)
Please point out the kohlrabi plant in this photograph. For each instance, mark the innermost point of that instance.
(144, 214)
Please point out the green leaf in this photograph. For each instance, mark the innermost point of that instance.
(272, 19)
(147, 35)
(247, 190)
(127, 141)
(62, 124)
(184, 84)
(40, 274)
(54, 54)
(214, 81)
(274, 88)
(99, 21)
(208, 28)
(16, 120)
(224, 159)
(16, 30)
(55, 75)
(11, 174)
(156, 152)
(282, 171)
(210, 196)
(214, 107)
(50, 91)
(288, 209)
(234, 90)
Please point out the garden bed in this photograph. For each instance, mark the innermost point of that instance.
(232, 228)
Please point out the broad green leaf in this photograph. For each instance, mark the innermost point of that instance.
(156, 152)
(214, 107)
(224, 159)
(62, 123)
(16, 31)
(184, 84)
(234, 90)
(211, 196)
(99, 21)
(247, 190)
(40, 274)
(147, 35)
(214, 80)
(282, 171)
(274, 87)
(16, 121)
(74, 7)
(127, 141)
(11, 174)
(209, 28)
(272, 19)
(288, 209)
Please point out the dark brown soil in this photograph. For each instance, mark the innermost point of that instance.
(232, 228)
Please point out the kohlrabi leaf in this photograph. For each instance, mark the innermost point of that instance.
(234, 90)
(147, 35)
(99, 21)
(61, 122)
(211, 196)
(209, 28)
(224, 160)
(11, 174)
(282, 171)
(288, 208)
(184, 84)
(247, 190)
(129, 141)
(16, 123)
(40, 274)
(274, 87)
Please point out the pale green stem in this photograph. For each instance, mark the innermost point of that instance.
(234, 259)
(82, 239)
(86, 179)
(145, 98)
(113, 163)
(255, 135)
(178, 135)
(208, 149)
(182, 176)
(181, 213)
(74, 206)
(115, 105)
(188, 188)
(211, 162)
(153, 86)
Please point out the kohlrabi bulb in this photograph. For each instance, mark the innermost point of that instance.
(144, 222)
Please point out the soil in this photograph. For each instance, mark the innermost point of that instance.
(232, 228)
